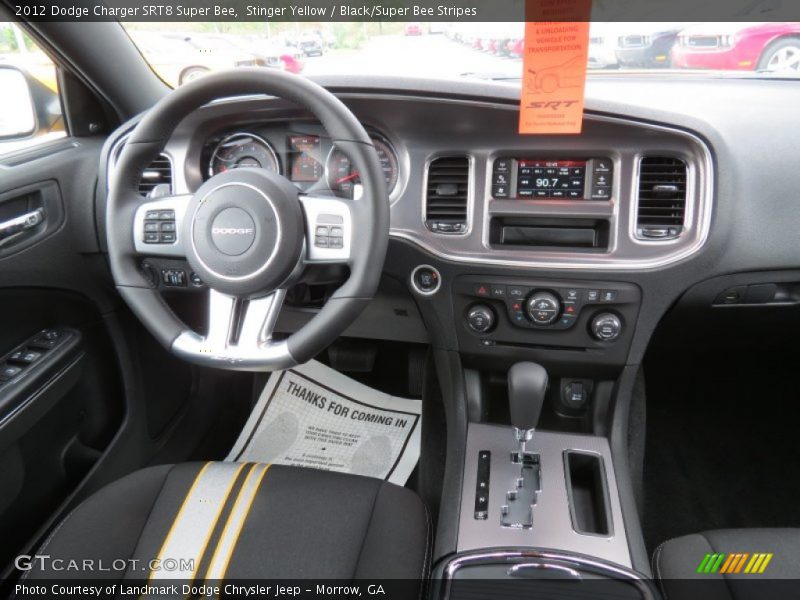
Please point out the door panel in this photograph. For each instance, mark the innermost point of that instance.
(61, 397)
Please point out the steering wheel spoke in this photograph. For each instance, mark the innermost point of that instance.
(158, 226)
(329, 229)
(240, 333)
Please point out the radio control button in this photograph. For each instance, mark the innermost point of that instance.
(500, 178)
(602, 165)
(601, 179)
(502, 165)
(500, 191)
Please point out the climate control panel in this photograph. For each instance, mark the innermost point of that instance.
(512, 311)
(551, 305)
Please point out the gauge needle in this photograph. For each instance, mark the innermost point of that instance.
(347, 177)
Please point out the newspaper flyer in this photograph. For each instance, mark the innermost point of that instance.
(313, 416)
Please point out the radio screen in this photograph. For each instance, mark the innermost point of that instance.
(551, 179)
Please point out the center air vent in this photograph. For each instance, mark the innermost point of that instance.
(159, 172)
(662, 198)
(446, 194)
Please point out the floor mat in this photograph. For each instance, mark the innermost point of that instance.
(313, 416)
(722, 445)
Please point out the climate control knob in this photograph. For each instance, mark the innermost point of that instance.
(480, 318)
(606, 327)
(543, 308)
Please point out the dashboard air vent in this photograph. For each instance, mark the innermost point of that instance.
(159, 172)
(446, 194)
(662, 198)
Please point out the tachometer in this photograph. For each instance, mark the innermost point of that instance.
(243, 150)
(342, 177)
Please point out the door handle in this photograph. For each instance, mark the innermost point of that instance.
(11, 229)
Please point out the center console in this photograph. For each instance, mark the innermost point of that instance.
(538, 508)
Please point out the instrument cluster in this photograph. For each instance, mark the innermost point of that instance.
(300, 153)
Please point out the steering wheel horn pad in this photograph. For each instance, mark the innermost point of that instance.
(245, 232)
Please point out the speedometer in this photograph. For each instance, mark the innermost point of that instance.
(342, 177)
(243, 150)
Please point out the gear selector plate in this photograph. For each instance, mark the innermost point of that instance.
(517, 512)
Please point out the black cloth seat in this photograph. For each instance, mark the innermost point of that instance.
(772, 555)
(230, 521)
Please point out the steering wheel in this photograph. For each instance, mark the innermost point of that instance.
(247, 233)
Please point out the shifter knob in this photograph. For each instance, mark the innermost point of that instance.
(527, 384)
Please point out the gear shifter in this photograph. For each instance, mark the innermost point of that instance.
(527, 384)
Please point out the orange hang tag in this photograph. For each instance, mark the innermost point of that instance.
(554, 66)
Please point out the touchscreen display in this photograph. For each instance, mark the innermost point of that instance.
(551, 179)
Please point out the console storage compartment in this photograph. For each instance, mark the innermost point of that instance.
(553, 233)
(587, 493)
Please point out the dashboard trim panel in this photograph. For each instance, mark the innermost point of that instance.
(472, 247)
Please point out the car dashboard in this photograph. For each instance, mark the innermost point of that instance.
(593, 217)
(612, 225)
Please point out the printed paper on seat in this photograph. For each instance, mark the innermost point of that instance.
(313, 416)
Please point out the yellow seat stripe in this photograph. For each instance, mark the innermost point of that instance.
(216, 518)
(233, 528)
(181, 510)
(189, 535)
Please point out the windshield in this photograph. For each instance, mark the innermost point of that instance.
(483, 50)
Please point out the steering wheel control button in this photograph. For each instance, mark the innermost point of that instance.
(329, 236)
(426, 280)
(481, 318)
(543, 308)
(233, 231)
(160, 227)
(606, 327)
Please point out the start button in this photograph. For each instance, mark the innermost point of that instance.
(426, 280)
